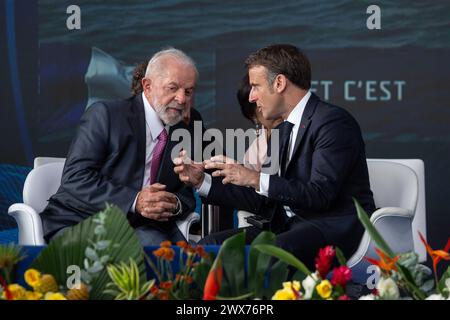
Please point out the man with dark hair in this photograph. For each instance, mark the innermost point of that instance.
(309, 202)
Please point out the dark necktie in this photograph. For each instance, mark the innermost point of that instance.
(285, 129)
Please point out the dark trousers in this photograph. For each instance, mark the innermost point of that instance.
(299, 237)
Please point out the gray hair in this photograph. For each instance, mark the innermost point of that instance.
(154, 65)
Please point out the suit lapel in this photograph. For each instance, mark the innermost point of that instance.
(136, 121)
(304, 124)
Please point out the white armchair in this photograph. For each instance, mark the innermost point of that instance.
(399, 191)
(398, 186)
(41, 183)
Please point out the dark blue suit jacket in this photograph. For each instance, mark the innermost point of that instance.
(327, 168)
(105, 163)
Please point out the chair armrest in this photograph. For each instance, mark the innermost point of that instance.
(29, 224)
(185, 224)
(394, 224)
(392, 212)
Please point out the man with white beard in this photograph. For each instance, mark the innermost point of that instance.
(121, 155)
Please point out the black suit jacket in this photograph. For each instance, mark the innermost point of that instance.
(327, 168)
(105, 163)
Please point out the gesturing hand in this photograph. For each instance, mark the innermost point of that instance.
(155, 203)
(232, 172)
(189, 172)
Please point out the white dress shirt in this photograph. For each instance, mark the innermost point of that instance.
(153, 127)
(295, 118)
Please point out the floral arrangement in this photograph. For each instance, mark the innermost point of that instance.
(112, 265)
(401, 276)
(42, 287)
(188, 282)
(316, 285)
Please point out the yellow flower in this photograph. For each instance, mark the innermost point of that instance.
(324, 289)
(46, 284)
(17, 292)
(32, 295)
(54, 296)
(284, 294)
(292, 284)
(32, 277)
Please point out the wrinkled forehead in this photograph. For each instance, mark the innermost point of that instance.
(180, 72)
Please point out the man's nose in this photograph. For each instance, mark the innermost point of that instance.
(252, 97)
(181, 97)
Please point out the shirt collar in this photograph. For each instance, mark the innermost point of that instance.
(295, 116)
(154, 123)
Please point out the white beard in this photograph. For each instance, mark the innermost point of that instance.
(168, 116)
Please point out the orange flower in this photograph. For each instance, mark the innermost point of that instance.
(385, 263)
(436, 255)
(182, 244)
(164, 295)
(165, 285)
(159, 252)
(166, 244)
(213, 282)
(169, 254)
(201, 251)
(165, 253)
(154, 289)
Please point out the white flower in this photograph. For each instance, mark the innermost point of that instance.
(367, 297)
(387, 289)
(309, 284)
(435, 297)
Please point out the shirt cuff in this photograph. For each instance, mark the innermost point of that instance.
(204, 188)
(133, 207)
(179, 207)
(264, 179)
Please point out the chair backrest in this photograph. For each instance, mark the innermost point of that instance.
(401, 183)
(41, 183)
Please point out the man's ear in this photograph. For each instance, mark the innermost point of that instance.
(146, 84)
(280, 83)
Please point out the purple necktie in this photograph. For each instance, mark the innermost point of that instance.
(157, 155)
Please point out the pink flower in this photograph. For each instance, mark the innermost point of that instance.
(324, 260)
(341, 276)
(344, 297)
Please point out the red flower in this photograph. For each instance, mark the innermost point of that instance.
(213, 282)
(344, 297)
(8, 293)
(324, 260)
(341, 276)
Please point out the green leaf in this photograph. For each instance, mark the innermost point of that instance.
(444, 277)
(410, 283)
(284, 256)
(258, 263)
(375, 235)
(278, 274)
(373, 232)
(232, 255)
(340, 256)
(69, 249)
